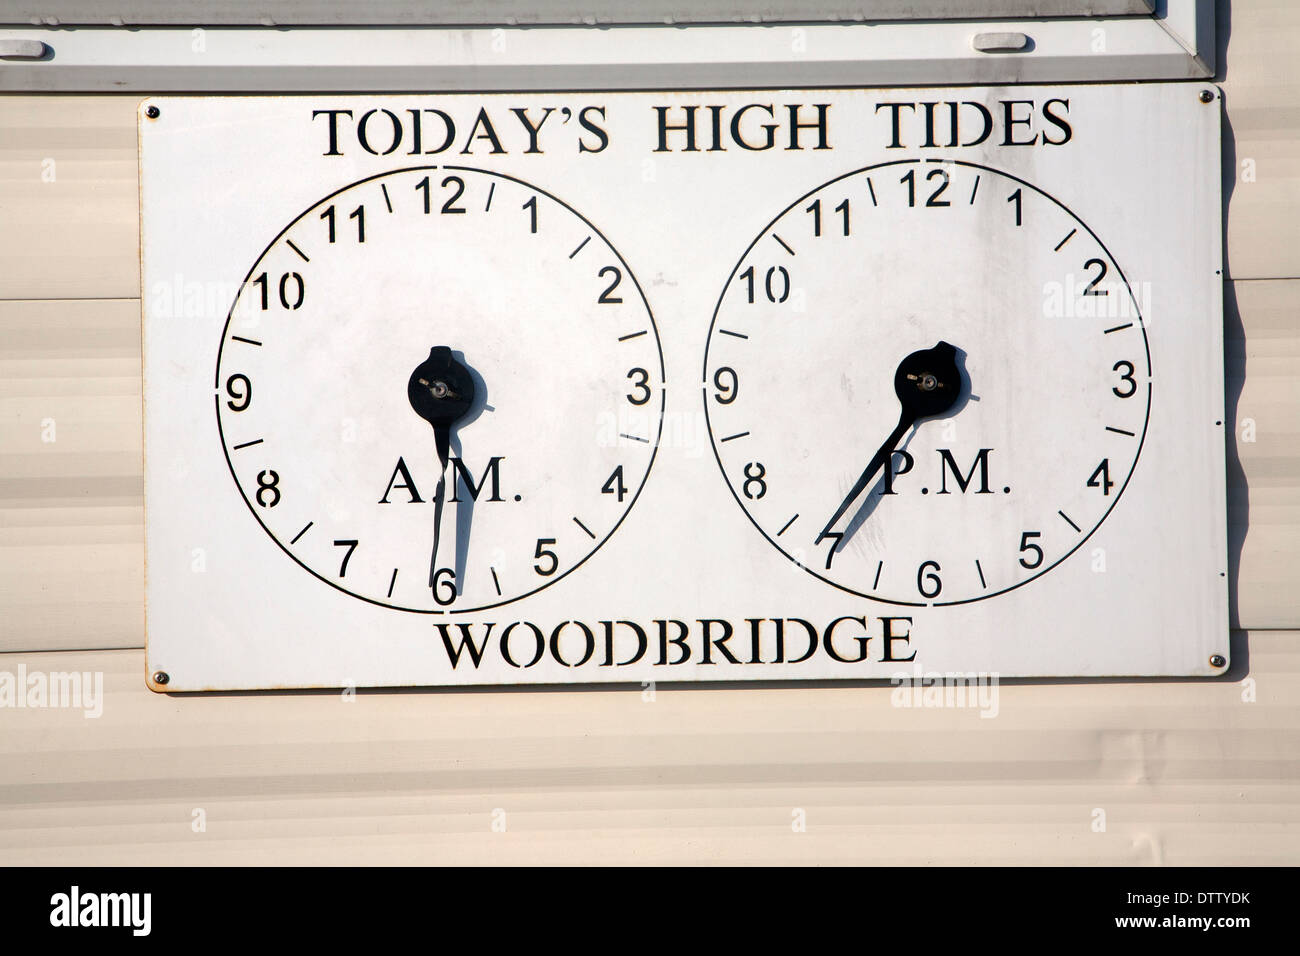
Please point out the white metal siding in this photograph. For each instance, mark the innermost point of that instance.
(1185, 772)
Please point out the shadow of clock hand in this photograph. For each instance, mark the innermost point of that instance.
(928, 383)
(876, 494)
(464, 519)
(873, 498)
(465, 505)
(440, 390)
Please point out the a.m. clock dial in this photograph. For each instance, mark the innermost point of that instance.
(927, 382)
(440, 389)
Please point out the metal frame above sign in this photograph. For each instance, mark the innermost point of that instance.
(782, 47)
(545, 12)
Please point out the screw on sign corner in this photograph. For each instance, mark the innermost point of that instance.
(161, 677)
(152, 112)
(1216, 660)
(1207, 96)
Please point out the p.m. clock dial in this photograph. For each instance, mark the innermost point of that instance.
(927, 382)
(440, 389)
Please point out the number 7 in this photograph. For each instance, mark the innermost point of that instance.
(351, 546)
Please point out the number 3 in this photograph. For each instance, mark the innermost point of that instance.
(1125, 377)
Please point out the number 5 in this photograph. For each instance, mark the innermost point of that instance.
(1027, 545)
(542, 552)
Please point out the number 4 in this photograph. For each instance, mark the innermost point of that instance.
(1102, 473)
(615, 484)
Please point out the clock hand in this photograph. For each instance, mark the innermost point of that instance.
(927, 383)
(877, 460)
(441, 440)
(441, 390)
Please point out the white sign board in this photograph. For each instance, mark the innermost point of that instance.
(460, 389)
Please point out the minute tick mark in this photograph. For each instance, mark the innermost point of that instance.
(1065, 240)
(1068, 521)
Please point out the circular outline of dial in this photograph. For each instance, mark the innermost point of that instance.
(654, 444)
(920, 162)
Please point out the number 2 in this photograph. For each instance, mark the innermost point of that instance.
(1101, 274)
(606, 298)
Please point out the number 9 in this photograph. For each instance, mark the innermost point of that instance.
(729, 390)
(244, 395)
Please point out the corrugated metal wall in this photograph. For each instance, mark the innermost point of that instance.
(1181, 772)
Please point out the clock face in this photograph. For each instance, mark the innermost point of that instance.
(927, 382)
(440, 389)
